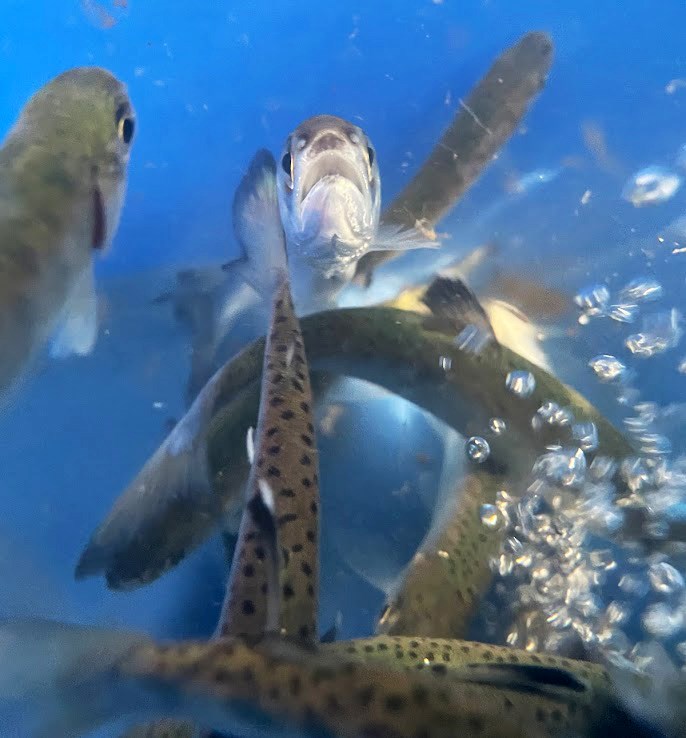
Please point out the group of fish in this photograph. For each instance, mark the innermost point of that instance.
(309, 223)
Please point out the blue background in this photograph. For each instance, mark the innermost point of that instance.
(211, 83)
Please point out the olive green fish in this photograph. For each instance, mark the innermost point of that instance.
(487, 119)
(186, 489)
(62, 186)
(73, 679)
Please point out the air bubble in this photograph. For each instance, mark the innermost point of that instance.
(478, 449)
(665, 579)
(587, 435)
(607, 368)
(520, 383)
(490, 517)
(662, 621)
(497, 426)
(641, 290)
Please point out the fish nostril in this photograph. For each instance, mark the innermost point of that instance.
(327, 142)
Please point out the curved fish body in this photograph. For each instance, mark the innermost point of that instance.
(62, 185)
(75, 679)
(186, 490)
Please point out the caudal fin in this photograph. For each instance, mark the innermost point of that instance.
(166, 511)
(57, 680)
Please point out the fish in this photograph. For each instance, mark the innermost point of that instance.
(322, 267)
(71, 679)
(63, 174)
(284, 476)
(190, 485)
(483, 124)
(651, 186)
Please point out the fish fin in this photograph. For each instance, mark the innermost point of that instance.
(392, 237)
(513, 329)
(167, 510)
(452, 301)
(257, 223)
(331, 635)
(525, 677)
(62, 675)
(261, 509)
(78, 328)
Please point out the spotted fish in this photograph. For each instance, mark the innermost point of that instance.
(71, 679)
(62, 185)
(283, 488)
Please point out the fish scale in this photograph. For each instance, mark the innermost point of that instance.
(286, 460)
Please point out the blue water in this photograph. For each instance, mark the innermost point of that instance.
(211, 83)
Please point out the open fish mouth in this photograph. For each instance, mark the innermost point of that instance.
(331, 166)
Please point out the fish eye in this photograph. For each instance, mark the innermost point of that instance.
(125, 124)
(286, 163)
(370, 154)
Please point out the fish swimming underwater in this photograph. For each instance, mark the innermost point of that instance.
(282, 453)
(329, 195)
(72, 679)
(62, 186)
(190, 485)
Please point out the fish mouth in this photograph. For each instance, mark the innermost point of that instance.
(330, 166)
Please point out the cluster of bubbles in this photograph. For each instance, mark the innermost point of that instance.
(581, 549)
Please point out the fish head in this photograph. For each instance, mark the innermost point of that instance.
(85, 122)
(329, 192)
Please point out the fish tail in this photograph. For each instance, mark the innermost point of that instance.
(61, 680)
(166, 511)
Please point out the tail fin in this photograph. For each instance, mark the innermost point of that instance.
(61, 676)
(166, 511)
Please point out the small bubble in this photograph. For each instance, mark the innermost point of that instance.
(602, 468)
(654, 444)
(641, 290)
(566, 467)
(593, 300)
(682, 366)
(633, 585)
(445, 363)
(602, 559)
(550, 413)
(587, 435)
(617, 613)
(662, 621)
(520, 383)
(490, 517)
(661, 331)
(623, 313)
(607, 368)
(478, 449)
(665, 579)
(497, 426)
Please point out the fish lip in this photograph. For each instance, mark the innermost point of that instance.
(329, 165)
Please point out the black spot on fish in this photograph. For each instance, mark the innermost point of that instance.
(259, 553)
(441, 669)
(274, 450)
(286, 492)
(306, 440)
(287, 415)
(295, 685)
(296, 548)
(273, 430)
(306, 482)
(382, 647)
(313, 508)
(365, 696)
(288, 592)
(276, 401)
(297, 386)
(249, 571)
(281, 318)
(310, 427)
(287, 518)
(274, 471)
(368, 648)
(276, 378)
(395, 702)
(281, 348)
(306, 569)
(248, 607)
(310, 535)
(304, 407)
(305, 460)
(310, 590)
